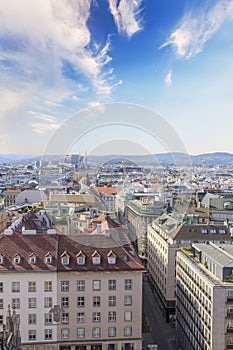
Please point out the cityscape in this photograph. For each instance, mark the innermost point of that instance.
(116, 254)
(116, 175)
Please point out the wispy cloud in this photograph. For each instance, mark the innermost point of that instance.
(33, 54)
(196, 29)
(46, 123)
(10, 100)
(127, 15)
(168, 78)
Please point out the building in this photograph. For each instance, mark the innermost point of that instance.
(220, 205)
(80, 293)
(166, 235)
(2, 215)
(140, 213)
(10, 195)
(204, 316)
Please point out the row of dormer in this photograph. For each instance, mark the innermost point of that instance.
(65, 258)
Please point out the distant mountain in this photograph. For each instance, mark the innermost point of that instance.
(176, 158)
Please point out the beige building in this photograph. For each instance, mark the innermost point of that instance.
(80, 293)
(140, 213)
(204, 316)
(10, 195)
(2, 215)
(166, 235)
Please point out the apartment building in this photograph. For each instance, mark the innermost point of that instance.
(140, 213)
(10, 195)
(204, 317)
(80, 293)
(166, 235)
(2, 215)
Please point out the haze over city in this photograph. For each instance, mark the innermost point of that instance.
(60, 59)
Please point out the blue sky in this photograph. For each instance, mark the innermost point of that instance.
(59, 58)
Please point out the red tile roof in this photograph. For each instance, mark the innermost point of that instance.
(41, 244)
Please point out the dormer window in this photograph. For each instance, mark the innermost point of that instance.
(48, 258)
(96, 258)
(17, 259)
(65, 258)
(204, 231)
(81, 258)
(32, 258)
(1, 259)
(111, 258)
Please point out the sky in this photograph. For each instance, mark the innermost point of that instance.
(80, 67)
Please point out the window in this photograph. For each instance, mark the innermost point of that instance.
(15, 287)
(96, 260)
(65, 317)
(96, 285)
(111, 258)
(80, 317)
(48, 302)
(112, 300)
(48, 334)
(48, 286)
(32, 259)
(81, 260)
(32, 286)
(128, 331)
(1, 319)
(1, 260)
(112, 331)
(16, 303)
(96, 317)
(96, 332)
(1, 304)
(65, 301)
(64, 286)
(33, 348)
(65, 260)
(112, 285)
(128, 316)
(128, 300)
(32, 303)
(31, 318)
(222, 232)
(17, 259)
(1, 287)
(96, 301)
(48, 319)
(213, 231)
(47, 347)
(128, 284)
(65, 333)
(112, 316)
(48, 259)
(80, 302)
(32, 334)
(204, 231)
(80, 333)
(80, 285)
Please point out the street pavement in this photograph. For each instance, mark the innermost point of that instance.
(155, 328)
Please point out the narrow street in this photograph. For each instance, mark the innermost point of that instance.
(155, 328)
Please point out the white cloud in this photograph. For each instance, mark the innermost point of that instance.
(194, 31)
(42, 116)
(10, 101)
(46, 35)
(168, 78)
(44, 128)
(127, 15)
